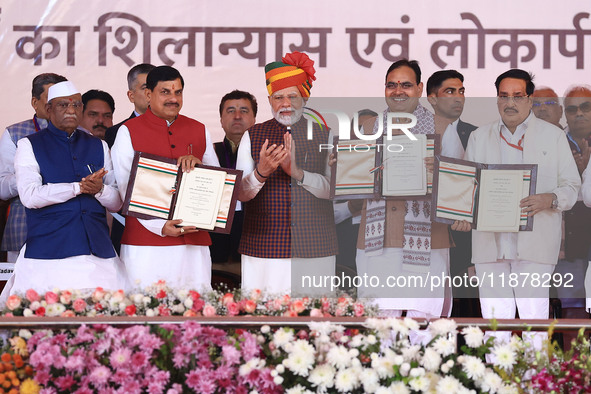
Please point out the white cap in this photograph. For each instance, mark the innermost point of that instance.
(61, 89)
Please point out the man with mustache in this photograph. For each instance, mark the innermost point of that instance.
(519, 137)
(65, 180)
(97, 115)
(164, 249)
(410, 244)
(289, 226)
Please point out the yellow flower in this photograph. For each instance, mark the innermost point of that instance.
(19, 346)
(29, 386)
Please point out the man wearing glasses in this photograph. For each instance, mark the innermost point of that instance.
(65, 181)
(289, 226)
(546, 105)
(521, 138)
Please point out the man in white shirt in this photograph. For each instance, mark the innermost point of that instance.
(521, 138)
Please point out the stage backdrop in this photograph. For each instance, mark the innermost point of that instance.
(223, 45)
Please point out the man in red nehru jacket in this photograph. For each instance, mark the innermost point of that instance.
(288, 222)
(156, 249)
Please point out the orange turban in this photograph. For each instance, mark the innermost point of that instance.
(295, 69)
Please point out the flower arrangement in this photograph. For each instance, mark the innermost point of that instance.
(161, 300)
(15, 373)
(387, 356)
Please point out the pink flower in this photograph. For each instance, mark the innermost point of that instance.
(250, 306)
(51, 297)
(290, 314)
(13, 302)
(68, 313)
(315, 312)
(100, 375)
(286, 299)
(297, 306)
(32, 295)
(194, 295)
(227, 298)
(198, 305)
(98, 294)
(120, 357)
(256, 294)
(139, 360)
(118, 296)
(163, 310)
(209, 311)
(358, 309)
(339, 311)
(39, 311)
(233, 309)
(161, 294)
(189, 313)
(130, 310)
(79, 305)
(65, 297)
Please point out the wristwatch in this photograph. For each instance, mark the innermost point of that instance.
(554, 202)
(301, 181)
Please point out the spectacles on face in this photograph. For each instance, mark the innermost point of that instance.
(402, 85)
(573, 109)
(540, 103)
(64, 105)
(516, 99)
(294, 98)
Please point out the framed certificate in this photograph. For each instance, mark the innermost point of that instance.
(355, 172)
(205, 197)
(485, 195)
(404, 174)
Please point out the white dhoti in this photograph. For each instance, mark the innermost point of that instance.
(274, 276)
(181, 266)
(85, 272)
(395, 289)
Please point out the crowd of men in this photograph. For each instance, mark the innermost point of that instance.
(66, 167)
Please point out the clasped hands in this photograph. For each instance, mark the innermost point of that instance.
(274, 156)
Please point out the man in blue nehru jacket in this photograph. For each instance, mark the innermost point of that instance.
(65, 181)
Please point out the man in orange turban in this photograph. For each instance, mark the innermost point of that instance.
(288, 220)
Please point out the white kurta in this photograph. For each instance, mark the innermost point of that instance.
(182, 266)
(76, 272)
(274, 275)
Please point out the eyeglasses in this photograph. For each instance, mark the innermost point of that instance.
(64, 105)
(573, 109)
(291, 97)
(540, 103)
(402, 85)
(516, 99)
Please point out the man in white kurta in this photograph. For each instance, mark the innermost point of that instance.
(159, 249)
(66, 193)
(521, 138)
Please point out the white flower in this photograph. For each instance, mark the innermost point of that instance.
(419, 384)
(357, 341)
(507, 389)
(299, 363)
(188, 303)
(265, 329)
(371, 339)
(146, 301)
(411, 353)
(178, 308)
(396, 388)
(325, 327)
(443, 327)
(282, 337)
(445, 368)
(25, 334)
(35, 305)
(431, 360)
(416, 372)
(473, 336)
(182, 294)
(137, 298)
(150, 313)
(54, 309)
(338, 356)
(27, 312)
(444, 346)
(322, 376)
(280, 368)
(503, 356)
(447, 385)
(473, 367)
(369, 380)
(278, 380)
(404, 369)
(299, 389)
(491, 382)
(346, 380)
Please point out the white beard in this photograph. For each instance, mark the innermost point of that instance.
(288, 120)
